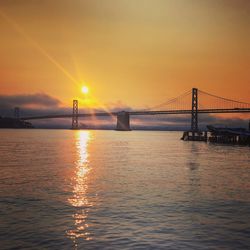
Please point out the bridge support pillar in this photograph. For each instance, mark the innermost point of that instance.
(123, 123)
(194, 118)
(75, 115)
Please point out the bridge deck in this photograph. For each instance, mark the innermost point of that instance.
(161, 112)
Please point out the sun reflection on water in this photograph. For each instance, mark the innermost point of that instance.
(79, 199)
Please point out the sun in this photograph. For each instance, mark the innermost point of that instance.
(85, 90)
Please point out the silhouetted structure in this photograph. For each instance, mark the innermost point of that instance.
(123, 123)
(75, 115)
(194, 114)
(194, 136)
(7, 122)
(229, 135)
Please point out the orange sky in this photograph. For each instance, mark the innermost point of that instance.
(137, 52)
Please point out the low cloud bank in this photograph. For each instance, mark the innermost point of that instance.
(28, 100)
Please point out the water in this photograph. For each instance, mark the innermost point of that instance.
(62, 189)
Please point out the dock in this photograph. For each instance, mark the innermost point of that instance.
(234, 136)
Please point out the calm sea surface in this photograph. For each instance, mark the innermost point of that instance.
(62, 189)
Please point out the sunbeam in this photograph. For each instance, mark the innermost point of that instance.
(36, 45)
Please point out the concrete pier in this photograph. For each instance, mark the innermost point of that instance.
(123, 123)
(194, 136)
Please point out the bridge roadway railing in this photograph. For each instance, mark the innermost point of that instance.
(187, 111)
(161, 112)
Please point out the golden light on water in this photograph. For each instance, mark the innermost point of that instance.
(79, 199)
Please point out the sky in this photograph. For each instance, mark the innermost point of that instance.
(129, 53)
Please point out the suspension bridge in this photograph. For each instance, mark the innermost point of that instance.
(192, 102)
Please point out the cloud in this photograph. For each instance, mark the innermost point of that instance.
(117, 106)
(39, 100)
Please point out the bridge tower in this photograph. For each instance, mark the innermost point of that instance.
(17, 113)
(75, 115)
(194, 118)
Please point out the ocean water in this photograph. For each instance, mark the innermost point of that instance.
(63, 189)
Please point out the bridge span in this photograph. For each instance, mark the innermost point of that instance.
(135, 113)
(123, 117)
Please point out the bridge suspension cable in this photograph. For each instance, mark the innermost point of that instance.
(208, 100)
(177, 100)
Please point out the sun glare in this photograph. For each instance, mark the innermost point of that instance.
(85, 90)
